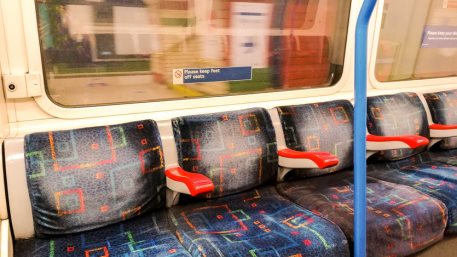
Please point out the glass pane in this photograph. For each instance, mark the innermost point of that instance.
(418, 40)
(116, 51)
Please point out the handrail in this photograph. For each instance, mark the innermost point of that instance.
(360, 118)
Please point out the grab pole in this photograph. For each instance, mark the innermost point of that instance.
(360, 119)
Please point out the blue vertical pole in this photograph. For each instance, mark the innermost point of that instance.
(360, 119)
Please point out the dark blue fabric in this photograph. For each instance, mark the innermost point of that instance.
(425, 164)
(404, 114)
(432, 178)
(445, 156)
(443, 106)
(400, 220)
(397, 115)
(236, 150)
(321, 127)
(88, 178)
(143, 236)
(256, 223)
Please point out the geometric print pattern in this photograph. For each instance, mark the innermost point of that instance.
(255, 223)
(400, 220)
(236, 150)
(88, 178)
(397, 115)
(320, 127)
(444, 156)
(432, 178)
(146, 236)
(443, 109)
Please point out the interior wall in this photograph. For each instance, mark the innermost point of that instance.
(4, 128)
(4, 131)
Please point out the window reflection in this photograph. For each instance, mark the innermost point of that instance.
(418, 40)
(113, 51)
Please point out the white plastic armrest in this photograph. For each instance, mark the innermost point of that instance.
(382, 143)
(443, 131)
(181, 181)
(290, 159)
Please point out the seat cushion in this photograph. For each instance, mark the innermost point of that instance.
(86, 178)
(424, 163)
(147, 235)
(445, 156)
(433, 178)
(400, 220)
(256, 223)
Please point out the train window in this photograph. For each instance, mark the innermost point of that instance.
(116, 51)
(418, 40)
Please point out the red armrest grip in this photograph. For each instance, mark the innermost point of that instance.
(322, 159)
(412, 141)
(442, 126)
(195, 182)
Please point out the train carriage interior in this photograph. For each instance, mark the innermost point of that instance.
(228, 128)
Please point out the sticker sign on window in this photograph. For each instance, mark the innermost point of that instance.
(439, 37)
(201, 75)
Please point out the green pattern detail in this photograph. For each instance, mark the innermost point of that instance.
(42, 172)
(123, 140)
(51, 248)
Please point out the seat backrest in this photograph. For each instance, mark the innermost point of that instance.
(443, 110)
(397, 115)
(236, 150)
(87, 178)
(320, 127)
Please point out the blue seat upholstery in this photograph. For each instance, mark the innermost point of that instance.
(311, 127)
(82, 180)
(425, 177)
(395, 212)
(258, 223)
(404, 114)
(147, 235)
(397, 115)
(442, 106)
(244, 216)
(400, 220)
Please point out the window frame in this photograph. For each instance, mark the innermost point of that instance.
(31, 62)
(401, 84)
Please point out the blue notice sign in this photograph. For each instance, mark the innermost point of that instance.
(200, 75)
(439, 37)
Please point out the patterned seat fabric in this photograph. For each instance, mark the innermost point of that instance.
(256, 223)
(442, 107)
(400, 220)
(146, 236)
(319, 127)
(395, 211)
(432, 178)
(397, 115)
(88, 178)
(403, 114)
(237, 150)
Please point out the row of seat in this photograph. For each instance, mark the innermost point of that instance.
(101, 191)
